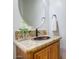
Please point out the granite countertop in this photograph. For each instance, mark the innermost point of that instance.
(32, 45)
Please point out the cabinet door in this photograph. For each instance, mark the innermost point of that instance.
(43, 54)
(54, 51)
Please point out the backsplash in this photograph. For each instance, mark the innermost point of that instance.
(29, 35)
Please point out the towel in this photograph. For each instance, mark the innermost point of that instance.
(55, 26)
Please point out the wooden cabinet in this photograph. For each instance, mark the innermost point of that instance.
(43, 54)
(54, 51)
(19, 54)
(51, 51)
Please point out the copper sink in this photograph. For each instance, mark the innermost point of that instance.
(41, 38)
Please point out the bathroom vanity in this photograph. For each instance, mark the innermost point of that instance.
(38, 49)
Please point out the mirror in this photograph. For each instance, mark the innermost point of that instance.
(32, 12)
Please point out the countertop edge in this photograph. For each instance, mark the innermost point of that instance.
(39, 47)
(44, 45)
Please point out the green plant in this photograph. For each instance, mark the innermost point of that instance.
(24, 31)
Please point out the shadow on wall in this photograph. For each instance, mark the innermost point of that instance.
(63, 53)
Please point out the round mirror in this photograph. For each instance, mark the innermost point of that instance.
(32, 12)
